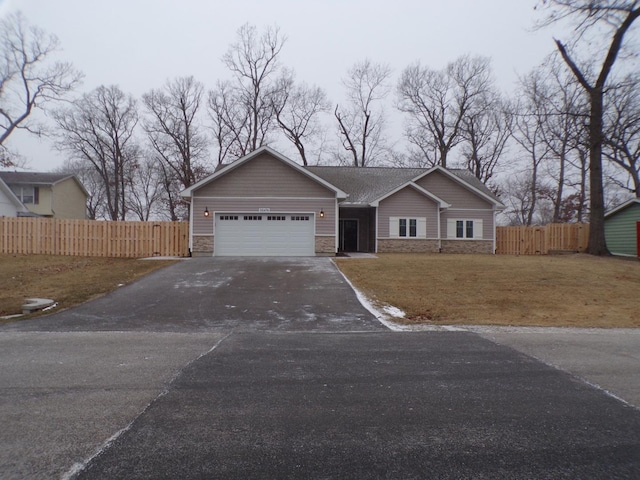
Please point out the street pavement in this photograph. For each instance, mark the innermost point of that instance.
(270, 368)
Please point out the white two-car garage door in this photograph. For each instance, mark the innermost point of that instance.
(260, 234)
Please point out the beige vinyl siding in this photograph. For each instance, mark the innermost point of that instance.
(264, 176)
(486, 216)
(408, 203)
(451, 191)
(204, 225)
(69, 201)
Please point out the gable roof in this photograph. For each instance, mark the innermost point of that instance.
(441, 203)
(622, 206)
(39, 178)
(187, 192)
(468, 180)
(366, 185)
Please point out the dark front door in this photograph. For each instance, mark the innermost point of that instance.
(348, 234)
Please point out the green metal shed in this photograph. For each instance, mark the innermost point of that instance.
(621, 226)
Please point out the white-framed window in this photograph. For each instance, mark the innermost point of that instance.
(464, 228)
(26, 194)
(408, 227)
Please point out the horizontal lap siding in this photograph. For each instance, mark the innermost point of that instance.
(451, 192)
(486, 216)
(268, 183)
(620, 231)
(204, 225)
(264, 176)
(408, 203)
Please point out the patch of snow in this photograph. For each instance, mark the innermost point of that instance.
(393, 311)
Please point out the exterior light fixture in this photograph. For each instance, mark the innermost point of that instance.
(321, 213)
(206, 211)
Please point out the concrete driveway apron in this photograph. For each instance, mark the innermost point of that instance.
(270, 368)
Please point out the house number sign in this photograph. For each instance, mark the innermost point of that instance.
(264, 210)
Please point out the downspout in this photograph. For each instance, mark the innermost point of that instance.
(495, 218)
(377, 229)
(439, 229)
(336, 227)
(191, 210)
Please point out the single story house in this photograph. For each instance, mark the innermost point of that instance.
(50, 195)
(622, 229)
(265, 204)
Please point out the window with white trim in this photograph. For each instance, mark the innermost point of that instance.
(464, 228)
(407, 227)
(27, 194)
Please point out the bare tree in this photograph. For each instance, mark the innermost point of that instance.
(241, 109)
(174, 131)
(99, 129)
(594, 16)
(529, 133)
(145, 189)
(297, 108)
(622, 132)
(29, 79)
(437, 101)
(361, 123)
(485, 132)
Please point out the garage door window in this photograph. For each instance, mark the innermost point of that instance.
(276, 218)
(304, 218)
(228, 217)
(253, 217)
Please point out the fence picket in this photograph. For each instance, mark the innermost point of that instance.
(27, 235)
(540, 240)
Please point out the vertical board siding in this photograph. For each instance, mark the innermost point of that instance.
(451, 191)
(407, 203)
(543, 239)
(91, 238)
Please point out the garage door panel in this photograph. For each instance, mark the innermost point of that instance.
(264, 235)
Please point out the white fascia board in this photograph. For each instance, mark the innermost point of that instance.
(622, 206)
(187, 192)
(12, 197)
(498, 205)
(418, 188)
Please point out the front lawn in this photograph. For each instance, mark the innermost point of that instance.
(67, 280)
(573, 291)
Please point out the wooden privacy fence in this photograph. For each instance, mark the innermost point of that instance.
(91, 238)
(543, 239)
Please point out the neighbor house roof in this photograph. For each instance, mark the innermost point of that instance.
(623, 206)
(38, 178)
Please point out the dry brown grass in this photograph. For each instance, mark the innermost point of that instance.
(67, 280)
(575, 290)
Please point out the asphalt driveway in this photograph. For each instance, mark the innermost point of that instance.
(270, 368)
(222, 295)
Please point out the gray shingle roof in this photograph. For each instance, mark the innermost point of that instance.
(33, 178)
(365, 185)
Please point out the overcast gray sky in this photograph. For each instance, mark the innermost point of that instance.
(139, 44)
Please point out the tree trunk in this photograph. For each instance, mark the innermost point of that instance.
(597, 243)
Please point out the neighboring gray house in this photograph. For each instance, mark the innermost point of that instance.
(264, 204)
(621, 227)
